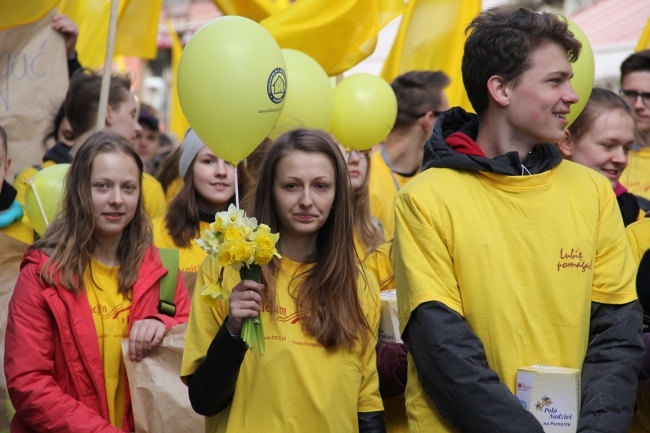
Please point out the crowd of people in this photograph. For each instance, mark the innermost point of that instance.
(511, 237)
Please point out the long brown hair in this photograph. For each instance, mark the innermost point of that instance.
(182, 219)
(328, 299)
(69, 240)
(365, 225)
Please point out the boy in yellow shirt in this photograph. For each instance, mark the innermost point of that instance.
(507, 256)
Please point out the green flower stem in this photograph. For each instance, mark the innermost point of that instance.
(252, 330)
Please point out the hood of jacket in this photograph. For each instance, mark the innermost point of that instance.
(453, 145)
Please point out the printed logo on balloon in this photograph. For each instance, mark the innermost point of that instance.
(277, 86)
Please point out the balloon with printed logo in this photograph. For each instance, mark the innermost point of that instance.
(365, 109)
(232, 85)
(583, 73)
(44, 195)
(310, 99)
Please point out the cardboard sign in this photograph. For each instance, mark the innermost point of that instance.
(33, 84)
(389, 322)
(552, 394)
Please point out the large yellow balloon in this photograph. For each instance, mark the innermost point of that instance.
(365, 109)
(583, 73)
(47, 188)
(310, 98)
(232, 85)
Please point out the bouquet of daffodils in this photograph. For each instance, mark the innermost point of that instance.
(239, 242)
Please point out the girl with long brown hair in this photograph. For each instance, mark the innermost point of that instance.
(208, 188)
(92, 280)
(319, 310)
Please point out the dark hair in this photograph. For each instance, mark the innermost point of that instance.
(82, 100)
(637, 62)
(167, 172)
(182, 219)
(328, 298)
(69, 240)
(365, 225)
(501, 41)
(417, 93)
(599, 100)
(3, 135)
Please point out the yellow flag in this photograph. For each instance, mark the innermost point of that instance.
(177, 122)
(136, 34)
(255, 10)
(18, 12)
(431, 37)
(644, 40)
(338, 34)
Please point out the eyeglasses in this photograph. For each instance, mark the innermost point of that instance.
(357, 153)
(632, 95)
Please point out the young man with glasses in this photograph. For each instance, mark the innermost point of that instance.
(635, 90)
(420, 100)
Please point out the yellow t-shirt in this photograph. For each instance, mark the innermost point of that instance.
(638, 235)
(379, 264)
(189, 258)
(298, 385)
(110, 311)
(20, 230)
(523, 272)
(383, 190)
(153, 196)
(173, 189)
(636, 177)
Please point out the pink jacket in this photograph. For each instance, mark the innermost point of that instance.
(52, 362)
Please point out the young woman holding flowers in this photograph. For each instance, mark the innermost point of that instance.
(208, 187)
(319, 310)
(92, 280)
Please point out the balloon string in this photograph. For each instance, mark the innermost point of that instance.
(38, 200)
(236, 188)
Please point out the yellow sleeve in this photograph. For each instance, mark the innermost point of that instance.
(369, 397)
(638, 236)
(20, 183)
(153, 196)
(204, 321)
(20, 230)
(379, 264)
(424, 269)
(614, 265)
(173, 189)
(161, 237)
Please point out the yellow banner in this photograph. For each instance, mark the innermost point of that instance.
(338, 34)
(431, 37)
(178, 124)
(136, 34)
(18, 12)
(255, 10)
(644, 40)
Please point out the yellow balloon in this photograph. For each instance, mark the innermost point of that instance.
(232, 85)
(365, 109)
(583, 73)
(310, 98)
(44, 195)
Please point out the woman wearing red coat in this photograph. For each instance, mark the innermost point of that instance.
(90, 282)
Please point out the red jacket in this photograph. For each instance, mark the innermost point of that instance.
(52, 362)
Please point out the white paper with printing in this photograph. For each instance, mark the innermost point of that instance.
(389, 323)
